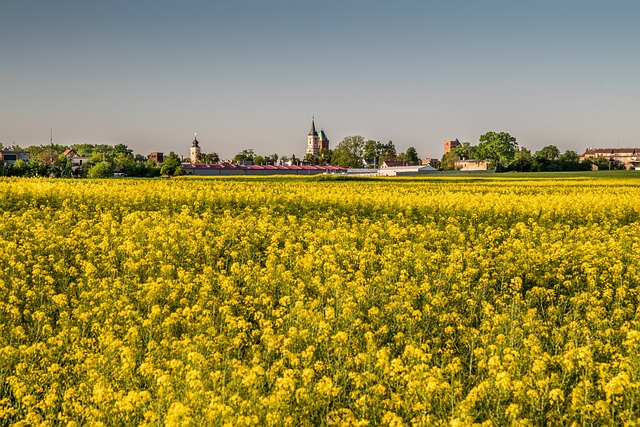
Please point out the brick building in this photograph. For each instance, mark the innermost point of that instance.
(449, 145)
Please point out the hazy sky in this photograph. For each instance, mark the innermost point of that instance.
(250, 74)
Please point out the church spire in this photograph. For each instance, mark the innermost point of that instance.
(313, 132)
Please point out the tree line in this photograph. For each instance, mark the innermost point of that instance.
(502, 152)
(356, 152)
(49, 161)
(499, 149)
(352, 152)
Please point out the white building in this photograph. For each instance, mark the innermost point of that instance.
(406, 170)
(472, 165)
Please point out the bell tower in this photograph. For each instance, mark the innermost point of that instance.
(313, 141)
(195, 149)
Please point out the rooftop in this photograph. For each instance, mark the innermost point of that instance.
(230, 166)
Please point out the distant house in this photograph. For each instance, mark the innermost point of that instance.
(429, 161)
(618, 156)
(10, 156)
(118, 172)
(632, 166)
(394, 164)
(76, 160)
(472, 165)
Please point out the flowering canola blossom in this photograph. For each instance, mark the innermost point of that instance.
(304, 302)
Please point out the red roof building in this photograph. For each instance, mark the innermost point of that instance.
(231, 169)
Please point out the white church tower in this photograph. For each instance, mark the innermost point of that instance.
(195, 149)
(313, 141)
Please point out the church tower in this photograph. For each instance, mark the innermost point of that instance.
(324, 141)
(313, 141)
(195, 150)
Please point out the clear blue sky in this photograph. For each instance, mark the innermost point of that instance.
(250, 74)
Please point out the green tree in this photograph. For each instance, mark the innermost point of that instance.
(209, 158)
(546, 159)
(84, 150)
(371, 149)
(61, 167)
(98, 152)
(348, 152)
(36, 150)
(48, 156)
(123, 150)
(325, 157)
(570, 156)
(311, 159)
(388, 152)
(522, 161)
(465, 151)
(497, 147)
(127, 163)
(570, 161)
(550, 152)
(100, 156)
(101, 170)
(271, 159)
(411, 156)
(244, 156)
(37, 168)
(171, 162)
(448, 161)
(19, 168)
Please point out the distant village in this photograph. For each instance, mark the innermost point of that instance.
(496, 152)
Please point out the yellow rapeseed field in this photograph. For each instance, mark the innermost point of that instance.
(304, 302)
